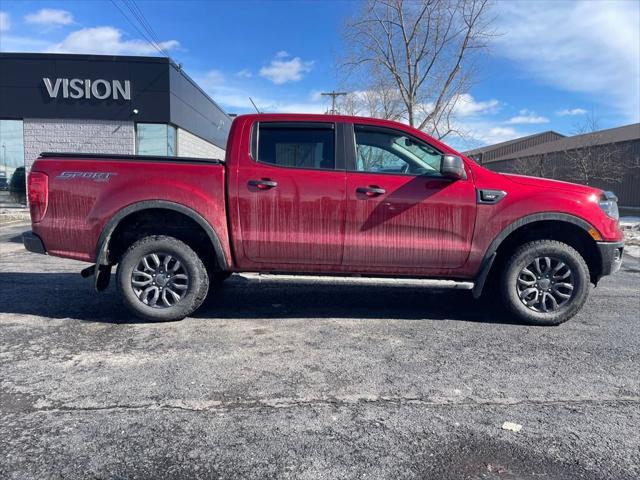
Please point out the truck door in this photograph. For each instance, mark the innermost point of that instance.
(401, 212)
(291, 194)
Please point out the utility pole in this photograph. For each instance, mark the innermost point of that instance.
(333, 96)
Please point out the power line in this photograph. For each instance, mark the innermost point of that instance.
(126, 17)
(140, 21)
(333, 96)
(137, 12)
(153, 44)
(135, 9)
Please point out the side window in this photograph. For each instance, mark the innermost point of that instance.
(156, 139)
(381, 150)
(306, 146)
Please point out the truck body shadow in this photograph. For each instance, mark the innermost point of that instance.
(67, 295)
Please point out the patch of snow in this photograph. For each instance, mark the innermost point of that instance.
(514, 427)
(629, 221)
(630, 226)
(632, 250)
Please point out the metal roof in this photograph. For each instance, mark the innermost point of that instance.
(601, 137)
(495, 146)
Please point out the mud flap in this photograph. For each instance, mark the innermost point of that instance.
(103, 276)
(482, 276)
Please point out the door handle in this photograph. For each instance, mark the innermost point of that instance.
(371, 191)
(263, 184)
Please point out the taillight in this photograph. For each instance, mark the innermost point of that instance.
(38, 195)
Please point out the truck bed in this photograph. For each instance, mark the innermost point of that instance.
(87, 190)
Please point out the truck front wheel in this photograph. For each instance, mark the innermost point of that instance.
(545, 282)
(161, 278)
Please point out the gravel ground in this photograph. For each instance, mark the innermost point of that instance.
(311, 378)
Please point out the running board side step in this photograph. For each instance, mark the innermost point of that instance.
(409, 281)
(448, 284)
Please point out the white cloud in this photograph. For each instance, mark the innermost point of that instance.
(571, 111)
(467, 106)
(108, 41)
(97, 40)
(478, 132)
(244, 73)
(5, 22)
(587, 47)
(50, 17)
(474, 123)
(10, 43)
(492, 134)
(214, 77)
(529, 117)
(297, 107)
(235, 99)
(282, 71)
(316, 95)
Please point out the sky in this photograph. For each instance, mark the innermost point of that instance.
(552, 64)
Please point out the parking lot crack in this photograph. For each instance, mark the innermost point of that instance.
(214, 405)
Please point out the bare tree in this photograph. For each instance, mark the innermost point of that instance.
(594, 159)
(423, 49)
(381, 100)
(352, 104)
(536, 166)
(527, 166)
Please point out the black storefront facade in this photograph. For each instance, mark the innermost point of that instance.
(101, 104)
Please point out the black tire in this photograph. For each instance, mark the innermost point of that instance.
(192, 289)
(537, 289)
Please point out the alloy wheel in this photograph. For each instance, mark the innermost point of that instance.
(160, 280)
(545, 285)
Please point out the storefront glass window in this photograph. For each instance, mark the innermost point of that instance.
(12, 173)
(171, 141)
(155, 139)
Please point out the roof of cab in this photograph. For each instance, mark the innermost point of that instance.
(319, 117)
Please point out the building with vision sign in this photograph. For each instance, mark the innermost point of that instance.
(102, 104)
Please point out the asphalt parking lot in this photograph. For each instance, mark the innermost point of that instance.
(311, 378)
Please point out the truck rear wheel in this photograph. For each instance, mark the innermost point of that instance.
(161, 278)
(545, 282)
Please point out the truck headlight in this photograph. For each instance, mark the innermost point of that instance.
(609, 204)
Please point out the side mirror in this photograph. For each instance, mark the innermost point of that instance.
(452, 167)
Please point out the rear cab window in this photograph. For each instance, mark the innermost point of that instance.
(308, 145)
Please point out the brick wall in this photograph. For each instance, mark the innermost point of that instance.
(77, 136)
(190, 145)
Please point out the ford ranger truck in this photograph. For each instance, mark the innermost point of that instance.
(323, 195)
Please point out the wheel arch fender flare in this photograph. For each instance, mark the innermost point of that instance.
(491, 252)
(102, 249)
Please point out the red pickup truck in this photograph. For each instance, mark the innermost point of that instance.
(323, 195)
